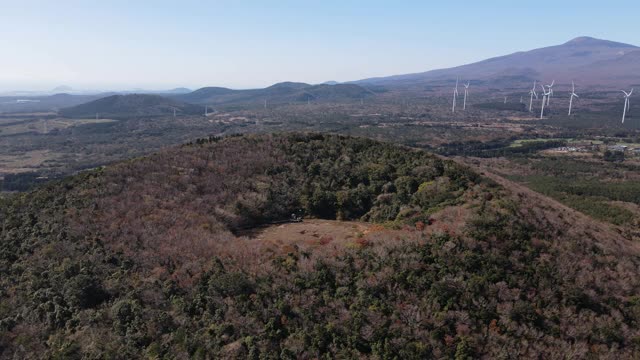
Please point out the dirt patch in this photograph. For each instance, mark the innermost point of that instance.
(315, 235)
(310, 233)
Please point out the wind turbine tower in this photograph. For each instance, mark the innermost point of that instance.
(545, 99)
(466, 91)
(455, 95)
(573, 94)
(550, 86)
(627, 107)
(533, 93)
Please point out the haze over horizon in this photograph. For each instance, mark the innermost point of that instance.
(161, 45)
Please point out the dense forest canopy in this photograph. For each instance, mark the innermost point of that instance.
(146, 258)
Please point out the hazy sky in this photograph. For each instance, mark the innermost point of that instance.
(157, 44)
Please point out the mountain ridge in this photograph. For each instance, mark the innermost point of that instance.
(283, 92)
(575, 59)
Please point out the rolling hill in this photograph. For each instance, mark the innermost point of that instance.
(155, 257)
(286, 92)
(586, 60)
(134, 105)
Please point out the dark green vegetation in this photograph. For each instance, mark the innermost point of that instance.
(587, 186)
(589, 197)
(21, 182)
(135, 105)
(139, 259)
(497, 148)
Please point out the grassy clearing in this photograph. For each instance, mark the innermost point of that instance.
(29, 161)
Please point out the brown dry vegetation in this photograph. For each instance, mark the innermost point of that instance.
(150, 258)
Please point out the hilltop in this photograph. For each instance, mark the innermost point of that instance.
(586, 60)
(134, 105)
(150, 257)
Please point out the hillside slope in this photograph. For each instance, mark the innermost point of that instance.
(147, 258)
(138, 105)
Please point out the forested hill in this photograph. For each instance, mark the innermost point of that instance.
(131, 105)
(147, 258)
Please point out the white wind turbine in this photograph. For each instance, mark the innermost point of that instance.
(627, 95)
(455, 96)
(466, 91)
(573, 94)
(545, 99)
(550, 86)
(532, 93)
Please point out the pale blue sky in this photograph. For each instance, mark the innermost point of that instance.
(117, 44)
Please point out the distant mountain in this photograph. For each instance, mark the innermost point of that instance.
(285, 92)
(204, 94)
(586, 60)
(62, 89)
(139, 105)
(176, 91)
(180, 90)
(331, 82)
